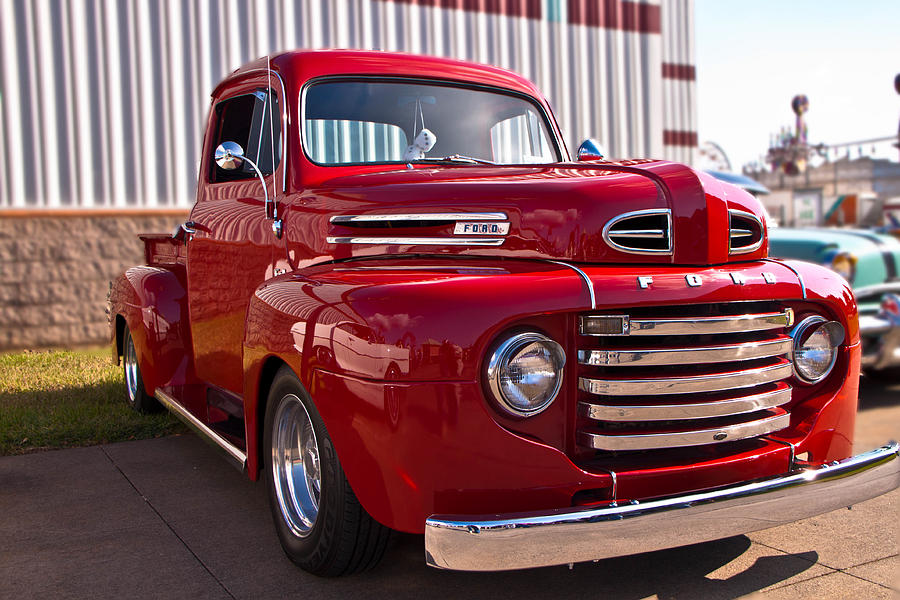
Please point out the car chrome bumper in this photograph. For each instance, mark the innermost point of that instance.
(884, 351)
(877, 290)
(498, 542)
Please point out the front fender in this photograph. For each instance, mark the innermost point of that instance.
(398, 321)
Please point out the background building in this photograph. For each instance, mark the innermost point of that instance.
(838, 192)
(103, 104)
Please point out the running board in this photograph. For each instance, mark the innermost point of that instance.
(236, 456)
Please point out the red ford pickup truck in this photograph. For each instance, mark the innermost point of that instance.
(400, 303)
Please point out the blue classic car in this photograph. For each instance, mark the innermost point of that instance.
(869, 261)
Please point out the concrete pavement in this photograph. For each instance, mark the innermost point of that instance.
(168, 518)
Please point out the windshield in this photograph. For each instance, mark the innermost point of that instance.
(352, 122)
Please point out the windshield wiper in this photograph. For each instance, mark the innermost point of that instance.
(457, 158)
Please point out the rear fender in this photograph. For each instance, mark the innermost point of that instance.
(153, 303)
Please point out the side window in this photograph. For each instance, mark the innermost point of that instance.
(245, 119)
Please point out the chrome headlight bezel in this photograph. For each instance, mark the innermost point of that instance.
(499, 363)
(803, 331)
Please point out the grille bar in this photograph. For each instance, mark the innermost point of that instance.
(711, 325)
(715, 382)
(685, 356)
(699, 410)
(679, 439)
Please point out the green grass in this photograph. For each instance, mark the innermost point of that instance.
(62, 399)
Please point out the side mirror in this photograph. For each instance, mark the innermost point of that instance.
(590, 149)
(229, 156)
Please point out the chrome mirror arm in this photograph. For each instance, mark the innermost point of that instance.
(262, 181)
(230, 156)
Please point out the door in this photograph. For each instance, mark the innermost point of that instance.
(230, 254)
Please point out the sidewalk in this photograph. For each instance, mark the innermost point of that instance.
(168, 518)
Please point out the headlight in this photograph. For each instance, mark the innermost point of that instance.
(816, 343)
(525, 373)
(844, 264)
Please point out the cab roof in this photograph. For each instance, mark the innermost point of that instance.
(299, 66)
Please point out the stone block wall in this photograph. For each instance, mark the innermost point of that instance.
(55, 268)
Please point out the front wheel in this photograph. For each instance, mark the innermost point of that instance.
(320, 523)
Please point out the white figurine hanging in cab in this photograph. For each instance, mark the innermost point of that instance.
(423, 143)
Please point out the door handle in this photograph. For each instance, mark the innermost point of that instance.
(189, 227)
(184, 231)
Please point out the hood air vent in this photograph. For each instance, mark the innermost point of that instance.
(641, 232)
(745, 232)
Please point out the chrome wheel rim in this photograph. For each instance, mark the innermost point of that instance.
(295, 465)
(131, 369)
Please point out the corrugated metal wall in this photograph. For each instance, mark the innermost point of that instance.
(679, 81)
(103, 101)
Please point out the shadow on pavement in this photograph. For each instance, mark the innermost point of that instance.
(878, 392)
(675, 573)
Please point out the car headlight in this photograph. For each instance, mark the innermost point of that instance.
(525, 373)
(816, 343)
(844, 264)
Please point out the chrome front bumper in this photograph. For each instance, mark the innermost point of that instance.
(497, 543)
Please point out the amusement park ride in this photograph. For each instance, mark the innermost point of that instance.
(788, 152)
(791, 152)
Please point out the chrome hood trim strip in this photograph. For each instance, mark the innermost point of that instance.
(792, 270)
(416, 241)
(584, 277)
(413, 217)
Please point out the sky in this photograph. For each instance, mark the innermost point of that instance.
(754, 56)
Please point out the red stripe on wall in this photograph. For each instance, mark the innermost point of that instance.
(530, 9)
(616, 14)
(679, 71)
(679, 138)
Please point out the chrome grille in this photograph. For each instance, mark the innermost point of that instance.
(674, 381)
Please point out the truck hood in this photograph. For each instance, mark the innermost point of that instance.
(650, 212)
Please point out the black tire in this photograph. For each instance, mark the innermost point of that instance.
(135, 394)
(320, 523)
